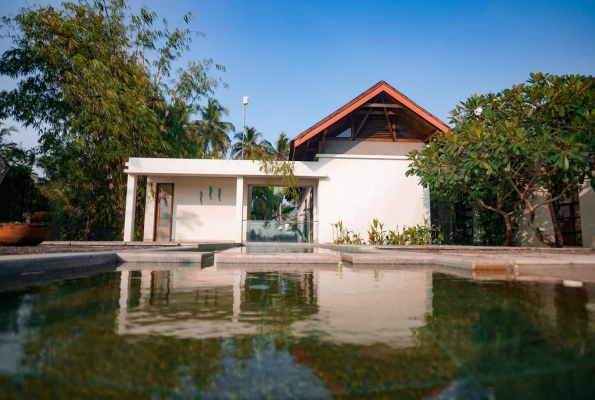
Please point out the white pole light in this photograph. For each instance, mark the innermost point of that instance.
(244, 125)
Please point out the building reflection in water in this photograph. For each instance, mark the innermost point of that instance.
(343, 306)
(162, 331)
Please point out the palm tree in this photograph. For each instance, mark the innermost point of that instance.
(254, 145)
(6, 131)
(212, 132)
(282, 146)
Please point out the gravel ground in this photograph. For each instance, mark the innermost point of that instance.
(511, 252)
(67, 248)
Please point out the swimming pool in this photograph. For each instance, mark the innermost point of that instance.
(181, 331)
(282, 249)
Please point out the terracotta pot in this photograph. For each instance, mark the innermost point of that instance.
(23, 234)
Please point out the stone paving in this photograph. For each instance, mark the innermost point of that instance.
(479, 263)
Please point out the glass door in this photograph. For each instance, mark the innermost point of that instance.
(165, 212)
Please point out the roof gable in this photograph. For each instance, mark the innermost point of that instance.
(391, 101)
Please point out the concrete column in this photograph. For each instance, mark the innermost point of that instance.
(239, 209)
(587, 207)
(130, 208)
(315, 211)
(149, 228)
(426, 203)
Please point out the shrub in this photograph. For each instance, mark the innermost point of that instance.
(344, 236)
(420, 234)
(376, 234)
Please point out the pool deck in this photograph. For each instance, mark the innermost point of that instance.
(476, 262)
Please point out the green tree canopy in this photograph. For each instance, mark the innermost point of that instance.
(98, 83)
(522, 148)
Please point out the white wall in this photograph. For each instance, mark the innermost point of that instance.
(587, 207)
(389, 305)
(352, 188)
(214, 220)
(359, 189)
(370, 147)
(525, 236)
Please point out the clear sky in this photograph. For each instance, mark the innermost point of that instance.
(299, 61)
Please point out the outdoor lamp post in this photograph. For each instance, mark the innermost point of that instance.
(244, 125)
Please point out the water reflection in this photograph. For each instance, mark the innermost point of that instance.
(347, 306)
(155, 331)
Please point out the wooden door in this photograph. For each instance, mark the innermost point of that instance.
(165, 212)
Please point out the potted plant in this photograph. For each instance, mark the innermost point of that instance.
(32, 232)
(28, 233)
(20, 197)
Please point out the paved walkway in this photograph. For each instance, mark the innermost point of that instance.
(473, 262)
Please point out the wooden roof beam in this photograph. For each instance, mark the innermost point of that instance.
(375, 112)
(381, 105)
(353, 137)
(361, 125)
(390, 125)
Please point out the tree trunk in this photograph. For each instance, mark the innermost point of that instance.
(537, 231)
(88, 226)
(508, 241)
(557, 228)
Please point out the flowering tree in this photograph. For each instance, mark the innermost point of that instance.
(520, 149)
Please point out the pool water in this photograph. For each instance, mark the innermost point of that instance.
(168, 332)
(259, 249)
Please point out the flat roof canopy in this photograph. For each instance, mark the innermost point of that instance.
(212, 168)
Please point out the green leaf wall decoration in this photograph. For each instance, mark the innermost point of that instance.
(201, 197)
(219, 194)
(210, 193)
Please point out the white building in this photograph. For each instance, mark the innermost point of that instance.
(351, 167)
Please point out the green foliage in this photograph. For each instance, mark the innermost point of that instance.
(211, 132)
(88, 84)
(268, 203)
(75, 235)
(376, 234)
(508, 147)
(282, 147)
(491, 228)
(420, 234)
(20, 195)
(13, 152)
(343, 236)
(273, 161)
(251, 145)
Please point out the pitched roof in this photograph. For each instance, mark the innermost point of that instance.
(381, 86)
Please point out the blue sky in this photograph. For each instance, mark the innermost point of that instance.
(299, 61)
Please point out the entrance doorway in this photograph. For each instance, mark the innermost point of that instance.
(165, 212)
(276, 214)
